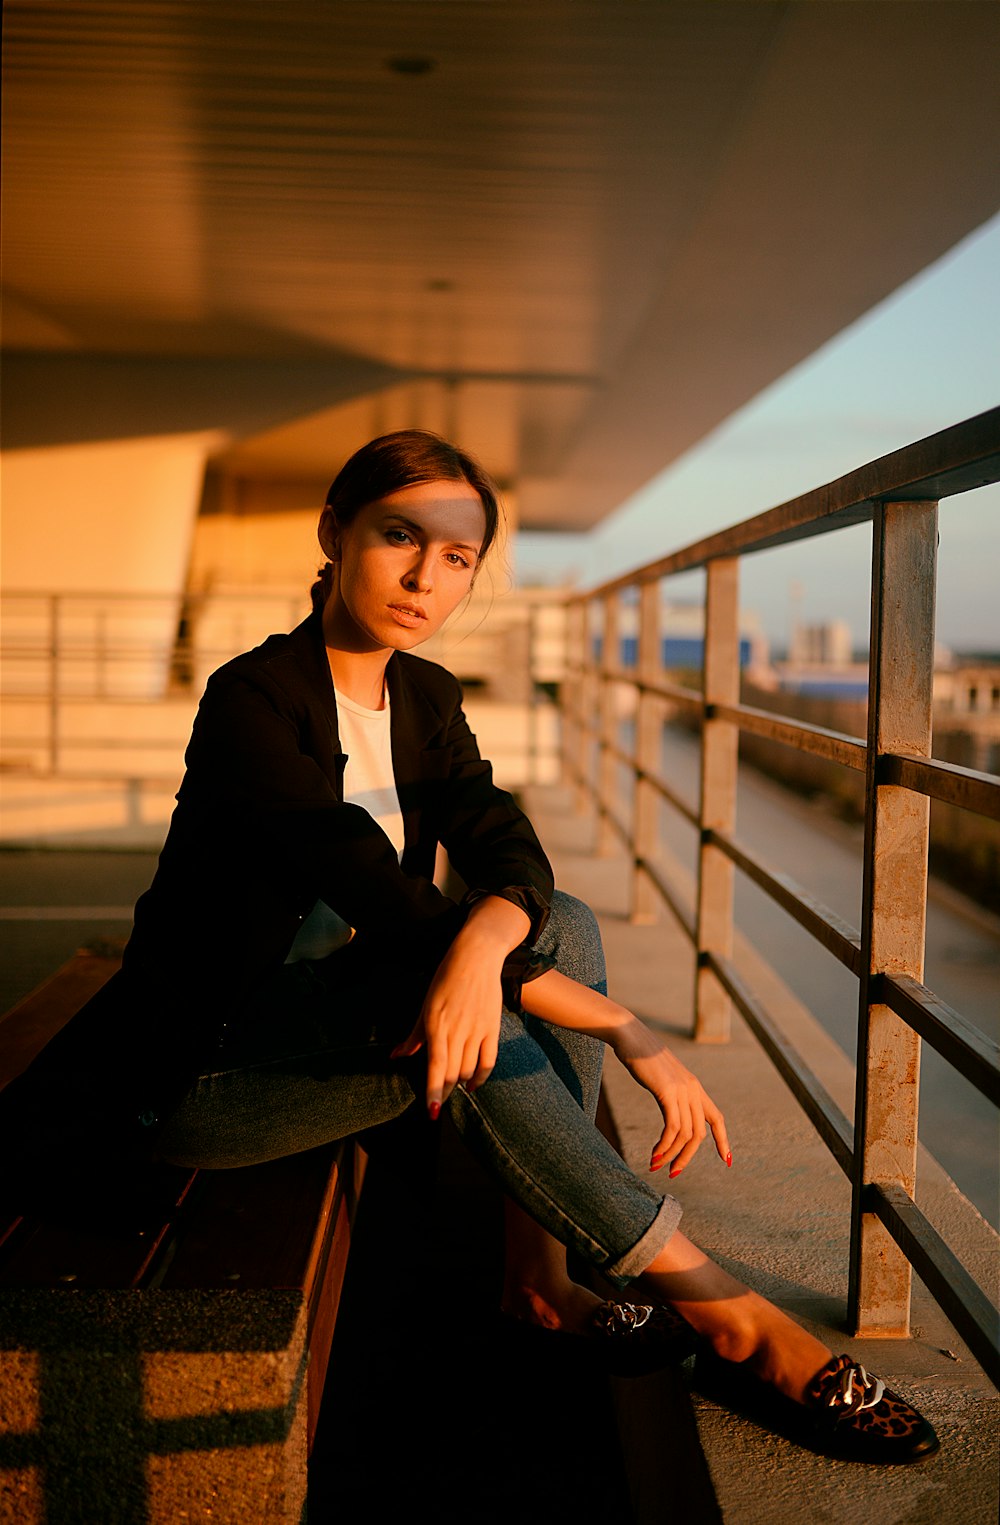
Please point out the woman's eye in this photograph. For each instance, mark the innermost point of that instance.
(456, 560)
(398, 537)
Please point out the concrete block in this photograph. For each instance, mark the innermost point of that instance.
(154, 1406)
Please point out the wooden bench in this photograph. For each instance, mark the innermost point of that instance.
(170, 1365)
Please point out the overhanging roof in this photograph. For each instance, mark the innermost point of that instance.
(576, 234)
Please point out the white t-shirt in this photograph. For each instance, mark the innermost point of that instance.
(369, 782)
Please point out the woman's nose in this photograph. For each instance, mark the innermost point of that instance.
(417, 578)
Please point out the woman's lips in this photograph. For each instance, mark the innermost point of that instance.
(410, 615)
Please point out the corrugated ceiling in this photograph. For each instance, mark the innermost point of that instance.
(576, 234)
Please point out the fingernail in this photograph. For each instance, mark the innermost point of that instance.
(434, 1108)
(656, 1164)
(729, 1159)
(656, 1157)
(674, 1173)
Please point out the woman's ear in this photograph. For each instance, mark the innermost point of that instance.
(329, 534)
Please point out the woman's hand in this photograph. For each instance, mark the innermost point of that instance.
(688, 1110)
(460, 1019)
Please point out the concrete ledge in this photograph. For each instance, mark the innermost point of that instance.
(159, 1407)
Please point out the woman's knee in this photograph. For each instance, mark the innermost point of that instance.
(573, 938)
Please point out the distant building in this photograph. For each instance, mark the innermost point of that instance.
(968, 688)
(682, 643)
(967, 710)
(826, 644)
(821, 664)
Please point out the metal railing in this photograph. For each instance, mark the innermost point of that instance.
(899, 495)
(65, 654)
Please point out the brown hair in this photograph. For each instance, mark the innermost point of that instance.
(394, 461)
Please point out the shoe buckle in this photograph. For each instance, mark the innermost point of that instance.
(623, 1318)
(856, 1390)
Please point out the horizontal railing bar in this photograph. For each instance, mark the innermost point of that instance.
(620, 755)
(809, 1091)
(583, 778)
(971, 1052)
(960, 1296)
(952, 461)
(836, 935)
(681, 805)
(76, 651)
(607, 814)
(176, 695)
(98, 775)
(848, 750)
(681, 912)
(92, 744)
(673, 904)
(89, 650)
(661, 687)
(942, 781)
(120, 596)
(819, 1106)
(689, 812)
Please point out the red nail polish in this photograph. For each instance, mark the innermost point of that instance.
(729, 1160)
(434, 1108)
(655, 1159)
(674, 1173)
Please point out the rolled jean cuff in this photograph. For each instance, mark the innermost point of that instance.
(645, 1250)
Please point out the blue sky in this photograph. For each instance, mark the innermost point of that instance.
(925, 358)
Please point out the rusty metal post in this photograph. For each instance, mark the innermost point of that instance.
(894, 900)
(54, 677)
(532, 738)
(607, 765)
(717, 810)
(645, 902)
(568, 698)
(575, 747)
(101, 657)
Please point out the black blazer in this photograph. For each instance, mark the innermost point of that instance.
(261, 831)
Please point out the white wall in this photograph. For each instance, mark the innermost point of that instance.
(114, 515)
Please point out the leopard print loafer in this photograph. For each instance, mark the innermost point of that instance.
(858, 1418)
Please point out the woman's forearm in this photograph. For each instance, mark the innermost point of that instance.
(494, 927)
(565, 1003)
(688, 1111)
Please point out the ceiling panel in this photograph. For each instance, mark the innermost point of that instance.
(615, 219)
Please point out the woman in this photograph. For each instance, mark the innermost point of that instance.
(324, 768)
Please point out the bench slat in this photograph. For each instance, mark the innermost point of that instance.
(257, 1227)
(28, 1026)
(51, 1252)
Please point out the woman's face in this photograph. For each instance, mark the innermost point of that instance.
(403, 564)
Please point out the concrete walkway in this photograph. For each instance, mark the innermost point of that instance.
(780, 1221)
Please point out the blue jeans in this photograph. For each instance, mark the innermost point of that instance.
(305, 1073)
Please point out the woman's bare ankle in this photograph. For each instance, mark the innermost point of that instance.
(567, 1306)
(779, 1352)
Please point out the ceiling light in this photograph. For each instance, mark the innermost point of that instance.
(410, 63)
